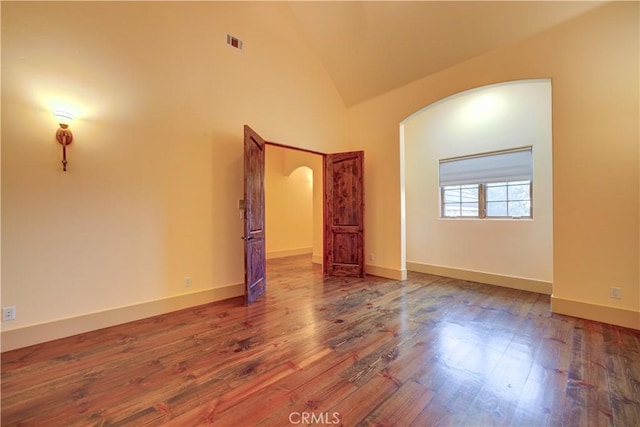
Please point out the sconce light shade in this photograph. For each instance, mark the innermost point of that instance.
(63, 134)
(64, 118)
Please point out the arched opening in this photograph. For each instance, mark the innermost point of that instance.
(513, 252)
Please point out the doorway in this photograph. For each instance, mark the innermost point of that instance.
(342, 214)
(293, 203)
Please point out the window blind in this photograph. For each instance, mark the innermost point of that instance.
(500, 166)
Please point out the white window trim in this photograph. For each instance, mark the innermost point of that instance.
(506, 166)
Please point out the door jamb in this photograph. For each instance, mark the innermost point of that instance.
(275, 144)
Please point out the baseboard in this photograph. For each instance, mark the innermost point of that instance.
(520, 283)
(599, 313)
(388, 273)
(35, 334)
(289, 252)
(316, 259)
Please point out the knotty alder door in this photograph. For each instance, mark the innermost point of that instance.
(254, 241)
(344, 214)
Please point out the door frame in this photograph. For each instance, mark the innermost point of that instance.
(324, 198)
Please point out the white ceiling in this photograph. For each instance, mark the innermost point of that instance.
(371, 47)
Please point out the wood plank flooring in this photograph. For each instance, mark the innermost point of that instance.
(428, 351)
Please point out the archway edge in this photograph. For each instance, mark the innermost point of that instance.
(448, 118)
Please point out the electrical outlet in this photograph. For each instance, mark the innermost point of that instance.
(372, 257)
(187, 281)
(9, 313)
(616, 293)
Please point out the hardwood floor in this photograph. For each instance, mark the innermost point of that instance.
(428, 351)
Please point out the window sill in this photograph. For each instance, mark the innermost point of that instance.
(466, 218)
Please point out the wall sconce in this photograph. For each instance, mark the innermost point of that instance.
(63, 134)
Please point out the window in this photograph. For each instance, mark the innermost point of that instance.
(508, 199)
(461, 200)
(491, 185)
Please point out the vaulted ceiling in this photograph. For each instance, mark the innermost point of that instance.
(367, 47)
(371, 47)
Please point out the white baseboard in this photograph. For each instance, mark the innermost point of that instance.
(520, 283)
(599, 313)
(35, 334)
(388, 273)
(289, 252)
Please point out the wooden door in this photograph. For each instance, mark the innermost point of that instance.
(254, 242)
(344, 214)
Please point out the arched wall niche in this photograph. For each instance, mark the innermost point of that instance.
(510, 252)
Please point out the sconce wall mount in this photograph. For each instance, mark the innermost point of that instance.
(64, 135)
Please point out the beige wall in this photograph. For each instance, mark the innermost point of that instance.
(593, 63)
(155, 170)
(491, 118)
(291, 201)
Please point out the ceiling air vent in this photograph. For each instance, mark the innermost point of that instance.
(234, 42)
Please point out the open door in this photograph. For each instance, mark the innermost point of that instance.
(344, 214)
(254, 242)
